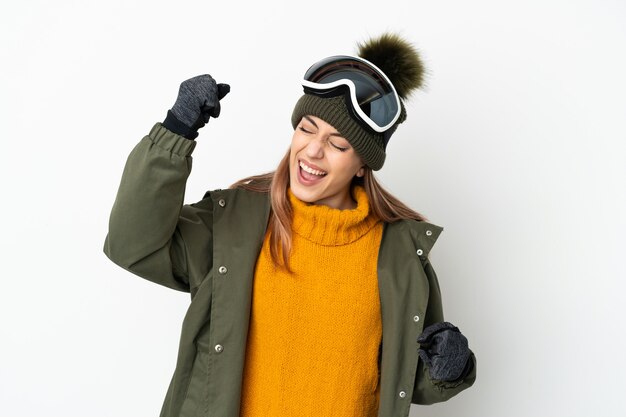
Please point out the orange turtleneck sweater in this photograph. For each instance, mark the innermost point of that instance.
(314, 336)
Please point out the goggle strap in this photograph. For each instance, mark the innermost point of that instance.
(343, 90)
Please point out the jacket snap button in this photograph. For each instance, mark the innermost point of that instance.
(221, 202)
(222, 270)
(420, 252)
(428, 233)
(416, 318)
(219, 348)
(402, 394)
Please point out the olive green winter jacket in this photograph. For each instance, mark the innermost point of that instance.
(210, 248)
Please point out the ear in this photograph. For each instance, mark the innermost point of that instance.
(360, 172)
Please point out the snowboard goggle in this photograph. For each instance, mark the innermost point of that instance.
(372, 96)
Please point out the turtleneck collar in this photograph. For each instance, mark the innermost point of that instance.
(330, 226)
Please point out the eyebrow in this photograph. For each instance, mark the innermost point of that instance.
(315, 124)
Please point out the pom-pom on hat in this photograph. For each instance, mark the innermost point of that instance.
(400, 62)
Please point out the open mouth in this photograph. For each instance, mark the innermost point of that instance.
(310, 170)
(309, 174)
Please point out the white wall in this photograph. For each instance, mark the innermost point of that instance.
(516, 148)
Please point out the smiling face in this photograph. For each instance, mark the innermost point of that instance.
(322, 164)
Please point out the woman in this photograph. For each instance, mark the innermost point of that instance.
(311, 288)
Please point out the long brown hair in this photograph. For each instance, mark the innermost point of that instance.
(384, 205)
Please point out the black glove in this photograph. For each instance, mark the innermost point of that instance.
(445, 351)
(198, 100)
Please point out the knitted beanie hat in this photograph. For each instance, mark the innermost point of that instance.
(401, 63)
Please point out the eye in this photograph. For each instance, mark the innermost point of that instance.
(339, 147)
(304, 130)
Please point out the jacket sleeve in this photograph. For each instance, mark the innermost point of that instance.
(151, 233)
(426, 390)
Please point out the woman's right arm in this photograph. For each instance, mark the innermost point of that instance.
(144, 235)
(151, 233)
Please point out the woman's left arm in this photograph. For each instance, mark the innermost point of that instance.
(444, 348)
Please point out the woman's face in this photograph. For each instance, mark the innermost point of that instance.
(322, 164)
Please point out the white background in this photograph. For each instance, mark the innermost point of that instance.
(515, 147)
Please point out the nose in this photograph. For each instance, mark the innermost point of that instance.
(315, 147)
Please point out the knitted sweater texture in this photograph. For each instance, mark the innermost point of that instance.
(314, 336)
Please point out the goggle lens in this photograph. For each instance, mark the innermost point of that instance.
(375, 96)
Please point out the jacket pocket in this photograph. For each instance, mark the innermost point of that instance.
(195, 397)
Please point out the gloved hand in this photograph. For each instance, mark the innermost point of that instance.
(198, 100)
(445, 352)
